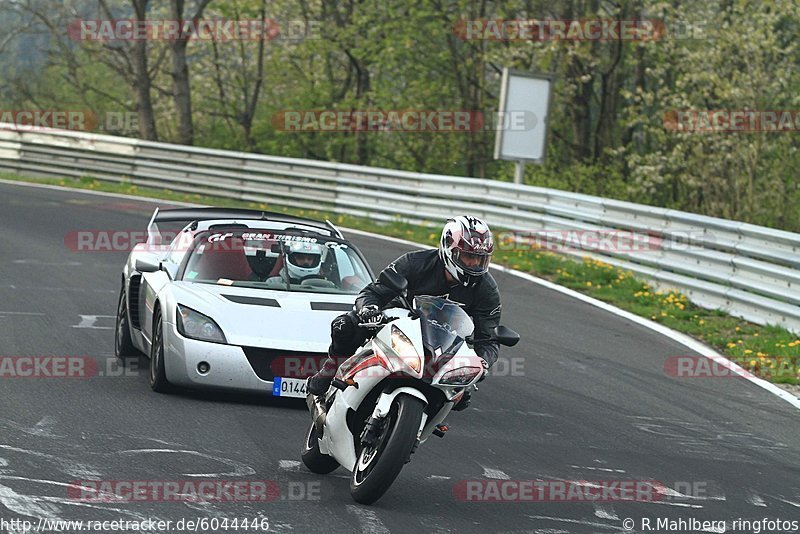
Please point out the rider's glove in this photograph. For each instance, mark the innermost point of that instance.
(370, 316)
(485, 370)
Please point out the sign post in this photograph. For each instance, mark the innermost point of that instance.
(524, 111)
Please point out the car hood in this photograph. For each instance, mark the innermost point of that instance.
(266, 318)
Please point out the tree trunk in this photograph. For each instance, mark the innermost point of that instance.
(182, 92)
(251, 103)
(142, 84)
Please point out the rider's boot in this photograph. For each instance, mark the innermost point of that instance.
(321, 381)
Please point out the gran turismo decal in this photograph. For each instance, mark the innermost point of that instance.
(255, 236)
(213, 238)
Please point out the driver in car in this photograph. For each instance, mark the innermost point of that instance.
(304, 261)
(458, 270)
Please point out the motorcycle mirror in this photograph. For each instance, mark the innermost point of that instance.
(393, 280)
(505, 336)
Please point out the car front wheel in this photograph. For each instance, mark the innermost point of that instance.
(123, 345)
(158, 375)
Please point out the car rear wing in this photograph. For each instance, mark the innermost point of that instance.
(185, 216)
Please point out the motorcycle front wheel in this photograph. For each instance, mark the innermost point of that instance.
(378, 465)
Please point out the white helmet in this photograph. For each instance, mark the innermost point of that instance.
(466, 248)
(304, 259)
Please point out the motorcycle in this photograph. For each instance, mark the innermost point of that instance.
(395, 391)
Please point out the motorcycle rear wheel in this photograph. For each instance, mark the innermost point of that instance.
(312, 457)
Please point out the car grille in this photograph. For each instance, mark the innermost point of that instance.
(269, 363)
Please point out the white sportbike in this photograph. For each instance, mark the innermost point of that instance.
(395, 392)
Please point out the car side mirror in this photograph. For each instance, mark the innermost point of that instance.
(505, 336)
(170, 268)
(393, 280)
(147, 266)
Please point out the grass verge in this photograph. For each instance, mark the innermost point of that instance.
(770, 352)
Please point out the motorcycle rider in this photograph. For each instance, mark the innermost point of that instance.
(458, 270)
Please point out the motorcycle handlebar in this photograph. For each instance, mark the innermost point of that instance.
(384, 321)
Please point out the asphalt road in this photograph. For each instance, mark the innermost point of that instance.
(584, 396)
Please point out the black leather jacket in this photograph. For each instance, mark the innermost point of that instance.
(424, 271)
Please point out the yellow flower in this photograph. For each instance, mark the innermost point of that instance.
(748, 351)
(663, 314)
(737, 328)
(731, 345)
(753, 363)
(589, 284)
(702, 322)
(755, 335)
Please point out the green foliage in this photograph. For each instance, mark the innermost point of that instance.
(607, 128)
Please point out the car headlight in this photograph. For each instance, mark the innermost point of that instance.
(195, 325)
(460, 376)
(405, 349)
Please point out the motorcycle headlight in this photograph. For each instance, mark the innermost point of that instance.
(460, 376)
(405, 349)
(195, 325)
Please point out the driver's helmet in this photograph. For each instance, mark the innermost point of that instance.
(466, 248)
(304, 259)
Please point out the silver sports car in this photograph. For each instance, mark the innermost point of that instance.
(235, 299)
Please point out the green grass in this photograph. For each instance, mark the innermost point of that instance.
(770, 352)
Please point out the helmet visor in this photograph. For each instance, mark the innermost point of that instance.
(474, 263)
(304, 260)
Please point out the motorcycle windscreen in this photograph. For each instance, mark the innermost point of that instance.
(444, 326)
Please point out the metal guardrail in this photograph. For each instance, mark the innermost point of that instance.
(749, 271)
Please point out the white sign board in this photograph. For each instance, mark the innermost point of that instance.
(524, 108)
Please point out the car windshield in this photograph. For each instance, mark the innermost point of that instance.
(445, 325)
(269, 259)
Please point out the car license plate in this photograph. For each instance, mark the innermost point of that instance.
(289, 387)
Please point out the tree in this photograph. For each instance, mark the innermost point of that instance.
(182, 91)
